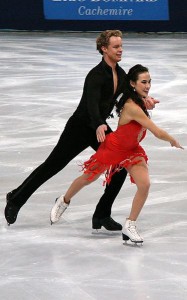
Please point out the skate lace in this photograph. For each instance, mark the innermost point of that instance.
(60, 209)
(133, 230)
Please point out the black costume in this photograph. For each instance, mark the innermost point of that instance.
(96, 104)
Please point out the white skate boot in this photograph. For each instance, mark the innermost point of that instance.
(129, 231)
(58, 209)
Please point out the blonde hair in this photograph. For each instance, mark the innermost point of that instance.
(104, 37)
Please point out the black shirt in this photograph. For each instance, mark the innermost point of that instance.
(98, 98)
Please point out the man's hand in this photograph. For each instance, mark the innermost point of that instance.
(150, 102)
(100, 133)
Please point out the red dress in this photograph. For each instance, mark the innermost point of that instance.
(120, 149)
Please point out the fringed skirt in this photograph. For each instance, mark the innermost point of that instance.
(108, 162)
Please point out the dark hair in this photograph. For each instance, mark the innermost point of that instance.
(129, 92)
(104, 37)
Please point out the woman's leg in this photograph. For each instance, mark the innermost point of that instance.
(140, 175)
(77, 185)
(63, 201)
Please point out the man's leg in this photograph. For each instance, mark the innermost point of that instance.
(102, 214)
(70, 144)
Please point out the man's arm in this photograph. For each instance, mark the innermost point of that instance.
(94, 96)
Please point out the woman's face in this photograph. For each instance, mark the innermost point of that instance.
(142, 85)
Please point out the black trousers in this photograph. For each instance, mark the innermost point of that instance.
(74, 139)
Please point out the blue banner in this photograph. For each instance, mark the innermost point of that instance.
(106, 10)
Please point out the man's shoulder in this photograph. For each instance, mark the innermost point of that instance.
(121, 70)
(98, 67)
(102, 68)
(96, 71)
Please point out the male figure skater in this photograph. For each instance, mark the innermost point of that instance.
(86, 127)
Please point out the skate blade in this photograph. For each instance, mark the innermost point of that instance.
(104, 232)
(96, 231)
(51, 222)
(126, 238)
(132, 243)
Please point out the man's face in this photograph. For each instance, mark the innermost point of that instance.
(114, 50)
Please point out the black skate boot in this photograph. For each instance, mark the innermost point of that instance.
(108, 223)
(11, 210)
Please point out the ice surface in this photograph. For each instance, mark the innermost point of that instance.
(42, 75)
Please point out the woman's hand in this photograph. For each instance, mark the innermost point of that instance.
(176, 144)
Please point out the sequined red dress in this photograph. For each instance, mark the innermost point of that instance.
(120, 149)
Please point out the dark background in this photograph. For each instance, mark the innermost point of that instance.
(28, 15)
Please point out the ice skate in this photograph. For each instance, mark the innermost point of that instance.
(11, 210)
(58, 209)
(108, 223)
(130, 232)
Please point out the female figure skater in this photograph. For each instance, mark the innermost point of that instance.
(121, 149)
